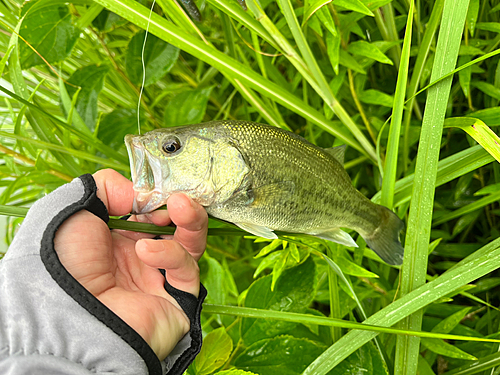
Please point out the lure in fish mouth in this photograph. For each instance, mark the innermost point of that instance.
(262, 179)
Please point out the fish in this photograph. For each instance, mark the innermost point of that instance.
(262, 179)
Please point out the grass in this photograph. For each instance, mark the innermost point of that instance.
(412, 88)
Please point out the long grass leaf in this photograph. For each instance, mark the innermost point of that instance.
(391, 159)
(414, 267)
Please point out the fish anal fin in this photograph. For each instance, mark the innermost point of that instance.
(337, 152)
(337, 235)
(258, 230)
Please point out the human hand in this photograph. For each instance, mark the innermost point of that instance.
(120, 268)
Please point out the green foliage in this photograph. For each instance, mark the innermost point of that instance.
(336, 72)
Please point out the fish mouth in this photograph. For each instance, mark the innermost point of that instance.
(147, 176)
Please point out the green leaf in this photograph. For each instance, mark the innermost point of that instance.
(478, 130)
(215, 351)
(236, 372)
(293, 291)
(283, 355)
(464, 76)
(107, 21)
(350, 62)
(376, 97)
(91, 81)
(472, 15)
(333, 50)
(440, 347)
(324, 15)
(469, 51)
(362, 48)
(159, 58)
(188, 107)
(214, 281)
(354, 5)
(489, 26)
(50, 31)
(366, 359)
(115, 125)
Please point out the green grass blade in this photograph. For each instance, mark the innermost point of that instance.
(249, 312)
(475, 266)
(478, 130)
(414, 267)
(391, 160)
(418, 68)
(449, 168)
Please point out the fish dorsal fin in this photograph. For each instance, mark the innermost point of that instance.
(337, 235)
(337, 152)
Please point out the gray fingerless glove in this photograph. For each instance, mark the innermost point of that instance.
(50, 324)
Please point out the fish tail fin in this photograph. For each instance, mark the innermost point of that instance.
(385, 239)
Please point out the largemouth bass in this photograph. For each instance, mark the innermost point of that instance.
(262, 179)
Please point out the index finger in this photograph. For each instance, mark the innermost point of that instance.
(192, 223)
(115, 191)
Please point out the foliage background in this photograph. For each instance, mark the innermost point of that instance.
(334, 72)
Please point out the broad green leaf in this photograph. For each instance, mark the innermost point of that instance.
(333, 50)
(292, 292)
(489, 26)
(107, 21)
(188, 107)
(50, 31)
(115, 125)
(91, 81)
(365, 360)
(236, 372)
(365, 49)
(215, 351)
(478, 130)
(313, 7)
(469, 51)
(214, 281)
(487, 88)
(279, 267)
(354, 5)
(376, 97)
(440, 347)
(159, 58)
(284, 355)
(472, 15)
(350, 62)
(324, 15)
(464, 76)
(350, 268)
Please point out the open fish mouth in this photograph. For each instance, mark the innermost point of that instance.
(147, 177)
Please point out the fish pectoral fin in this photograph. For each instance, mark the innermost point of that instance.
(339, 236)
(258, 230)
(272, 193)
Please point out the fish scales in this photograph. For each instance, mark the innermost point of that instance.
(262, 179)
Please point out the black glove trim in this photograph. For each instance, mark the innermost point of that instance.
(192, 307)
(75, 290)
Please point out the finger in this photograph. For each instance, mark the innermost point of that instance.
(181, 269)
(192, 223)
(115, 191)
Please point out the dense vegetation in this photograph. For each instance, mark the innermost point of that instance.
(334, 72)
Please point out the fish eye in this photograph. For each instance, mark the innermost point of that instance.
(171, 146)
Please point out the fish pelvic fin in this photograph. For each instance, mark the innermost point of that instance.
(258, 230)
(337, 235)
(385, 239)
